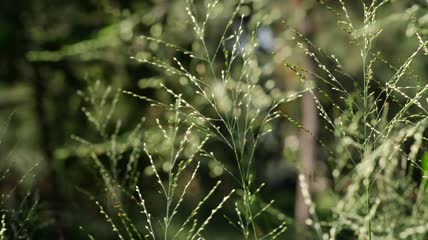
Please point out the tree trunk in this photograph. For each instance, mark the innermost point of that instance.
(308, 147)
(55, 200)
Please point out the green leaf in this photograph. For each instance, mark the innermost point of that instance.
(424, 166)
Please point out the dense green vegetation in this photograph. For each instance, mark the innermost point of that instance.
(240, 119)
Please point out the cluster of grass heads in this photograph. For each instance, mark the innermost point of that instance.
(169, 158)
(238, 117)
(20, 211)
(21, 214)
(374, 137)
(378, 127)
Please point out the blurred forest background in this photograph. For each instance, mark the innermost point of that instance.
(57, 55)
